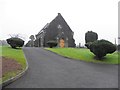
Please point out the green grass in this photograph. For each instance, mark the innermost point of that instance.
(85, 55)
(16, 54)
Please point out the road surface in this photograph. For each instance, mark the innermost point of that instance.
(48, 70)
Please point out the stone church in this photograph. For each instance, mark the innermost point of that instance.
(57, 30)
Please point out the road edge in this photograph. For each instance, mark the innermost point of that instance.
(7, 82)
(77, 59)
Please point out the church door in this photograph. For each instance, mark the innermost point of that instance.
(62, 43)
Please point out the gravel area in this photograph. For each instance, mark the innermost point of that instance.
(8, 65)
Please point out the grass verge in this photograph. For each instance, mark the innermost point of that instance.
(85, 55)
(15, 54)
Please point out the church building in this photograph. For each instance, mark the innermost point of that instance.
(57, 30)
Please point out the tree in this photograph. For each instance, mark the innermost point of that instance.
(102, 47)
(90, 36)
(32, 40)
(32, 37)
(17, 36)
(3, 42)
(15, 42)
(29, 44)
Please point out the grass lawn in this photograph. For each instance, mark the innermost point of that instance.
(16, 54)
(85, 55)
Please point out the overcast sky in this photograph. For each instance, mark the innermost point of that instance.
(28, 17)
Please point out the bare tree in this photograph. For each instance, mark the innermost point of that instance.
(17, 36)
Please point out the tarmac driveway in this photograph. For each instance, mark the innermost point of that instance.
(48, 70)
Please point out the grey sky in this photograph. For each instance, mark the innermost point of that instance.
(28, 17)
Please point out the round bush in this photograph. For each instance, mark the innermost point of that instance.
(15, 42)
(102, 47)
(52, 43)
(91, 36)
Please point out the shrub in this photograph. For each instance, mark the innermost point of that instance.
(102, 47)
(15, 42)
(52, 43)
(90, 36)
(88, 44)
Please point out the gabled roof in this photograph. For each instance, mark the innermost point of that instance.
(42, 30)
(58, 17)
(46, 26)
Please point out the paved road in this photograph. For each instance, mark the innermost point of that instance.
(48, 70)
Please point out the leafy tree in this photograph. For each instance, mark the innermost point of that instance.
(32, 40)
(52, 43)
(15, 42)
(102, 47)
(32, 37)
(3, 42)
(90, 36)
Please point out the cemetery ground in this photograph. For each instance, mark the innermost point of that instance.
(45, 68)
(85, 55)
(49, 70)
(13, 62)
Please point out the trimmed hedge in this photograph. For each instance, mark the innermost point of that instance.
(52, 43)
(91, 36)
(88, 45)
(102, 47)
(15, 42)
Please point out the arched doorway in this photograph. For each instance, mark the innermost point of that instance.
(62, 43)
